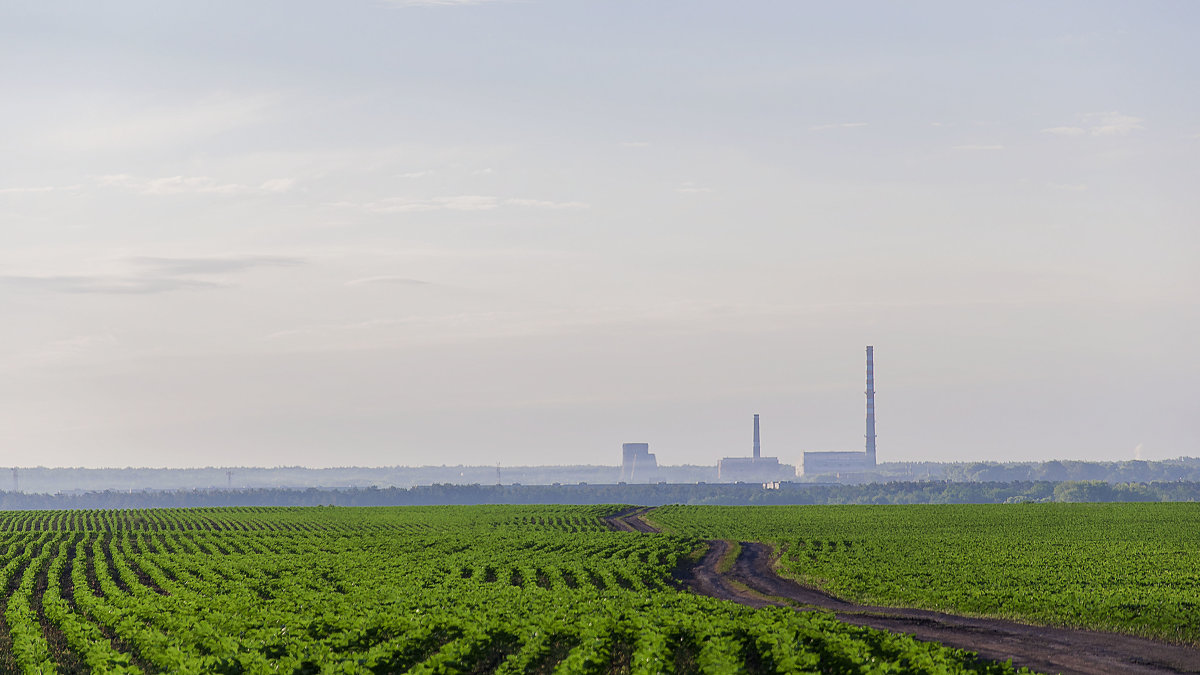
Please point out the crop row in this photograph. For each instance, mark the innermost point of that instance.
(301, 520)
(438, 590)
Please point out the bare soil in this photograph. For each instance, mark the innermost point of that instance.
(754, 582)
(630, 520)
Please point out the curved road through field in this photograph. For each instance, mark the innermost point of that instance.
(753, 581)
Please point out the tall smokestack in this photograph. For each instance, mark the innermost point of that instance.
(757, 450)
(871, 405)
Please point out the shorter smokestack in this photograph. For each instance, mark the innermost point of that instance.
(757, 449)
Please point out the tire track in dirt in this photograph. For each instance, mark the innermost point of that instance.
(629, 520)
(753, 581)
(1041, 648)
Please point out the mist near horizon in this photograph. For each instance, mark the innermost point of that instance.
(427, 232)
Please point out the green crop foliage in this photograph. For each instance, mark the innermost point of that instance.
(1132, 568)
(383, 590)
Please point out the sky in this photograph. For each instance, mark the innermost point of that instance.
(419, 232)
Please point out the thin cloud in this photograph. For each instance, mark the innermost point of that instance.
(173, 185)
(398, 281)
(840, 125)
(634, 144)
(1100, 124)
(544, 204)
(81, 343)
(456, 203)
(1080, 39)
(110, 285)
(333, 328)
(1065, 131)
(216, 265)
(978, 147)
(149, 275)
(1068, 187)
(436, 3)
(415, 174)
(133, 125)
(1113, 124)
(277, 185)
(36, 190)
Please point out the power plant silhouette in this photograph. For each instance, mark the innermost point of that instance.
(824, 463)
(639, 464)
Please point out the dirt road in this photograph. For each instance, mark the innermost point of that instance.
(630, 520)
(752, 581)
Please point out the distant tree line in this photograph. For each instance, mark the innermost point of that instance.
(1134, 471)
(243, 479)
(897, 492)
(69, 479)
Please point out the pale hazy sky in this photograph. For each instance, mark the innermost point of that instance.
(427, 232)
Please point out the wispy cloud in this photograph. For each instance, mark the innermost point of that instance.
(544, 204)
(149, 275)
(436, 3)
(387, 280)
(1080, 39)
(457, 203)
(408, 205)
(415, 174)
(634, 144)
(1113, 124)
(172, 185)
(690, 188)
(839, 125)
(1068, 187)
(215, 265)
(37, 189)
(1100, 124)
(115, 285)
(126, 123)
(81, 343)
(1065, 131)
(978, 147)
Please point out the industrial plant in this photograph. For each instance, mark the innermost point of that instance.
(753, 469)
(824, 463)
(638, 464)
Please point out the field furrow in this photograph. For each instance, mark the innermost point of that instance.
(506, 589)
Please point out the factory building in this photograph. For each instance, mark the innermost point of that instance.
(753, 469)
(838, 463)
(638, 463)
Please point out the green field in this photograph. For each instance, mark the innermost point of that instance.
(421, 589)
(1133, 568)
